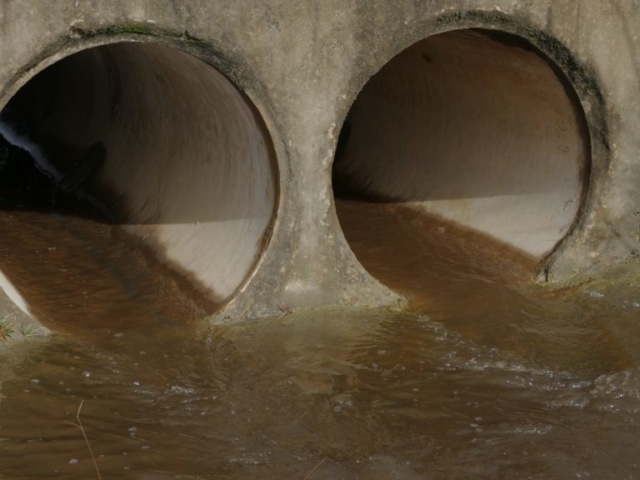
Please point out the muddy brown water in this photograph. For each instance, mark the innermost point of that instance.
(487, 377)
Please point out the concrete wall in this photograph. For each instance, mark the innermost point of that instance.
(302, 64)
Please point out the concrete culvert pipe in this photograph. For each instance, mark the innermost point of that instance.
(477, 128)
(161, 143)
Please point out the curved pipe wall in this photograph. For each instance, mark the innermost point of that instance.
(186, 162)
(473, 129)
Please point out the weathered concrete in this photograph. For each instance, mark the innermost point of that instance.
(301, 65)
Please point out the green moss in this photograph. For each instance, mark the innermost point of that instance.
(190, 39)
(137, 28)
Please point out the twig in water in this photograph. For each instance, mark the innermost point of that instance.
(308, 475)
(79, 426)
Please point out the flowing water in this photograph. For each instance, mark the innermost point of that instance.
(488, 377)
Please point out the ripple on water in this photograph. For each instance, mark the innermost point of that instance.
(488, 379)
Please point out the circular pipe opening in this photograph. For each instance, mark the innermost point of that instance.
(473, 128)
(154, 140)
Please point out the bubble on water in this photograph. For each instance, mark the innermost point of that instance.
(86, 374)
(247, 459)
(531, 429)
(182, 390)
(341, 401)
(571, 401)
(73, 461)
(594, 294)
(35, 380)
(618, 385)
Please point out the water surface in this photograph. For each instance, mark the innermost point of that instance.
(488, 377)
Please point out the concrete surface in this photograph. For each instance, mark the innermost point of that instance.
(268, 227)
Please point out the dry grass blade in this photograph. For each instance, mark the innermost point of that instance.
(308, 475)
(79, 426)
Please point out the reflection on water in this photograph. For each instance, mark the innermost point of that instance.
(488, 379)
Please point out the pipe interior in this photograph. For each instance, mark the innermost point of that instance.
(476, 128)
(157, 141)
